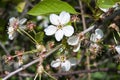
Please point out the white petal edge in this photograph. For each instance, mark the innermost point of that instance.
(73, 40)
(104, 10)
(10, 29)
(93, 37)
(55, 64)
(73, 61)
(66, 65)
(22, 21)
(54, 19)
(12, 19)
(50, 30)
(117, 48)
(64, 17)
(99, 33)
(59, 35)
(77, 47)
(39, 18)
(68, 30)
(12, 36)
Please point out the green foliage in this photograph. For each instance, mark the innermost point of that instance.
(98, 75)
(106, 3)
(20, 6)
(51, 6)
(39, 37)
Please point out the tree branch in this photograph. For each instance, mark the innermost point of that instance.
(87, 71)
(31, 63)
(84, 27)
(82, 14)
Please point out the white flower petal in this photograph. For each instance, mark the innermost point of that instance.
(11, 33)
(66, 65)
(55, 63)
(54, 19)
(23, 27)
(59, 35)
(12, 19)
(39, 18)
(50, 30)
(73, 61)
(93, 37)
(68, 30)
(118, 49)
(57, 59)
(73, 40)
(64, 18)
(12, 36)
(22, 21)
(10, 29)
(99, 33)
(77, 47)
(104, 10)
(97, 36)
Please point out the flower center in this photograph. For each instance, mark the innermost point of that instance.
(60, 26)
(15, 24)
(62, 58)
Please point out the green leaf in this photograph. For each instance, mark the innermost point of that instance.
(39, 37)
(51, 6)
(105, 3)
(20, 6)
(116, 1)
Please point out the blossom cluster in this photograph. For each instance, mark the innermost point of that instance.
(60, 26)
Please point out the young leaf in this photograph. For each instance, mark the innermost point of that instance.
(51, 6)
(105, 4)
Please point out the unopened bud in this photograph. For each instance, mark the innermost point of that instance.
(40, 69)
(31, 25)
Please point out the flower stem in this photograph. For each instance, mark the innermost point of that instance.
(75, 25)
(50, 75)
(36, 76)
(118, 33)
(115, 38)
(32, 51)
(40, 77)
(34, 32)
(23, 34)
(29, 36)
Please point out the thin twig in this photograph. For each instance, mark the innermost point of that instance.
(106, 60)
(87, 71)
(84, 27)
(31, 63)
(82, 14)
(3, 47)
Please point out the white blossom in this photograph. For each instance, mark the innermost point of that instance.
(63, 63)
(11, 33)
(59, 27)
(117, 48)
(14, 23)
(74, 41)
(94, 48)
(44, 21)
(97, 36)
